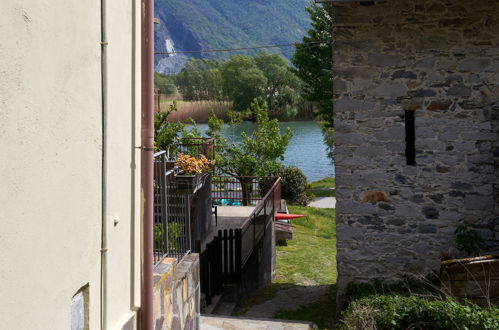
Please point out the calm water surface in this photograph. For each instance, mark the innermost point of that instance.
(306, 150)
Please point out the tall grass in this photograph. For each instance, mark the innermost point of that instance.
(197, 110)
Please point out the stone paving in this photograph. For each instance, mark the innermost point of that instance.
(324, 202)
(234, 323)
(288, 300)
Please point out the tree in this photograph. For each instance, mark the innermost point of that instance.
(313, 62)
(164, 83)
(169, 135)
(283, 86)
(243, 81)
(200, 80)
(166, 134)
(256, 155)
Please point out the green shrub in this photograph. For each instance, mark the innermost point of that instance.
(399, 312)
(428, 286)
(293, 184)
(469, 240)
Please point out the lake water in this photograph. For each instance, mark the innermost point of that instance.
(306, 150)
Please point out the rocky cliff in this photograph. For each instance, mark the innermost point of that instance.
(215, 24)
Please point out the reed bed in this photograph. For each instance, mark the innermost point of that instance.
(197, 110)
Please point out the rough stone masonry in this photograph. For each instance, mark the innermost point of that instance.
(438, 62)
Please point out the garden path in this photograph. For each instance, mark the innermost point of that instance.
(234, 323)
(324, 202)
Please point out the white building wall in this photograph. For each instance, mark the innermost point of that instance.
(50, 161)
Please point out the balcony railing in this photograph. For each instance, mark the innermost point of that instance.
(240, 190)
(172, 232)
(262, 192)
(193, 147)
(225, 257)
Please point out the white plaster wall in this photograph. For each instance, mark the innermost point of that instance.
(50, 161)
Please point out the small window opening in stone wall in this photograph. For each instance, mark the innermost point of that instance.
(79, 309)
(410, 138)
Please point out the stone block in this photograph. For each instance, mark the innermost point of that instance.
(474, 65)
(355, 207)
(389, 89)
(421, 248)
(439, 105)
(454, 78)
(480, 136)
(412, 104)
(353, 105)
(349, 138)
(478, 202)
(459, 90)
(386, 207)
(384, 60)
(422, 93)
(396, 222)
(431, 212)
(427, 229)
(367, 73)
(391, 133)
(339, 86)
(426, 63)
(350, 233)
(403, 74)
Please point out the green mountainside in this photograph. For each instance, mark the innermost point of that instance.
(216, 24)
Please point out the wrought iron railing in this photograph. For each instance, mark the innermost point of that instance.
(262, 192)
(240, 190)
(225, 256)
(172, 232)
(195, 147)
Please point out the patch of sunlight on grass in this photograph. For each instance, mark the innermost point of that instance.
(322, 188)
(312, 251)
(308, 259)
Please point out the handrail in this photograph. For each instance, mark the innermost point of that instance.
(261, 204)
(159, 153)
(254, 227)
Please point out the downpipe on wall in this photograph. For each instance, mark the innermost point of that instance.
(104, 91)
(147, 159)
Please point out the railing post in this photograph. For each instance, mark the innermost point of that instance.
(164, 207)
(238, 257)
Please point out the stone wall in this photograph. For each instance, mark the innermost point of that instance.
(177, 294)
(440, 60)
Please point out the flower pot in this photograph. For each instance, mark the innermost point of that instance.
(189, 184)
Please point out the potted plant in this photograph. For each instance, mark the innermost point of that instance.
(193, 172)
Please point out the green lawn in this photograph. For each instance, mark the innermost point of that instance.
(308, 259)
(322, 188)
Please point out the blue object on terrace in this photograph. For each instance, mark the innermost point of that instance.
(228, 202)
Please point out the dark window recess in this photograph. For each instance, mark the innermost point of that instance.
(410, 138)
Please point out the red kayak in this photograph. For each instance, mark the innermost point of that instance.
(285, 216)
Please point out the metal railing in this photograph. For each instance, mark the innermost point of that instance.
(254, 228)
(172, 231)
(195, 147)
(240, 190)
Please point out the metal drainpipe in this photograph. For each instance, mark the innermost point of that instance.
(147, 158)
(104, 87)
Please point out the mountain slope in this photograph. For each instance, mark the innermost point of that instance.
(215, 24)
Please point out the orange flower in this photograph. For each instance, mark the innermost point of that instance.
(190, 165)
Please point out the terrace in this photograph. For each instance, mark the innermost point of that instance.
(225, 219)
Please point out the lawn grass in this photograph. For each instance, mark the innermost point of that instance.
(308, 259)
(311, 254)
(322, 188)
